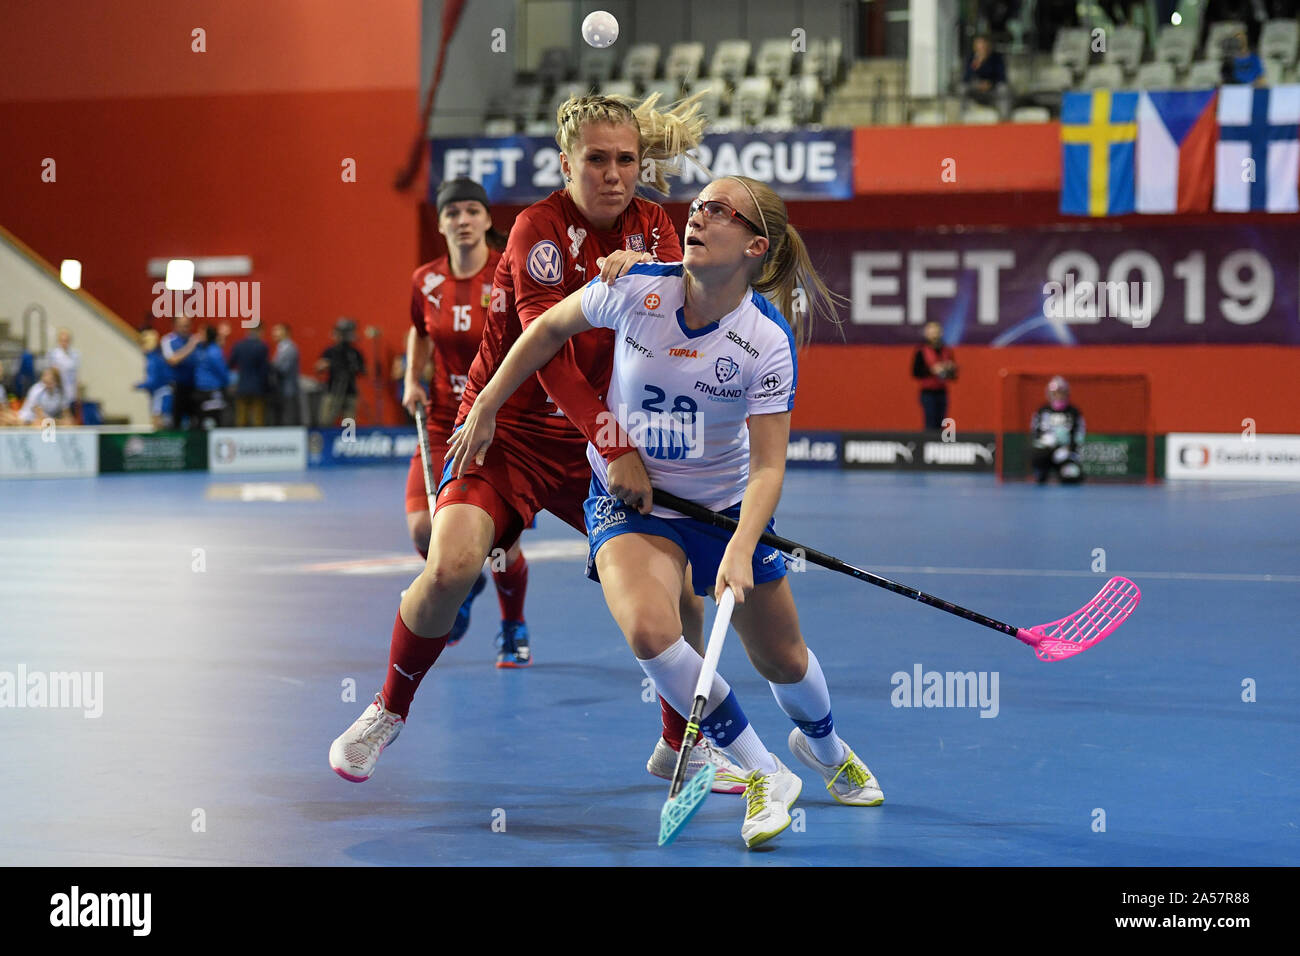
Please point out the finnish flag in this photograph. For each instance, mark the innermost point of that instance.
(1257, 161)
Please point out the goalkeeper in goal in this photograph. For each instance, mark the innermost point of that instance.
(1057, 431)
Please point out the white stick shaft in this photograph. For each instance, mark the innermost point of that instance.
(713, 651)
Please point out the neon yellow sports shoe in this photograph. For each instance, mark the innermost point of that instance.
(768, 799)
(850, 783)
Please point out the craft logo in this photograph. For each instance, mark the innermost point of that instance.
(683, 353)
(725, 368)
(636, 243)
(743, 343)
(638, 347)
(544, 263)
(949, 689)
(652, 302)
(1194, 456)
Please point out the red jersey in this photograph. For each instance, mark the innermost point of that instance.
(552, 253)
(452, 312)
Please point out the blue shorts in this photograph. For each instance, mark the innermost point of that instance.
(161, 403)
(702, 543)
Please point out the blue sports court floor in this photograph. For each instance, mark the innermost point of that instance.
(226, 630)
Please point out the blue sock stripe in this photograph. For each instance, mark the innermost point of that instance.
(816, 728)
(725, 722)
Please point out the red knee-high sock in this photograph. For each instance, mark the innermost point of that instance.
(511, 584)
(674, 725)
(409, 659)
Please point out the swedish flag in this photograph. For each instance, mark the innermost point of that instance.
(1098, 139)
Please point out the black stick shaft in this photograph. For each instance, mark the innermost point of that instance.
(689, 740)
(700, 513)
(426, 454)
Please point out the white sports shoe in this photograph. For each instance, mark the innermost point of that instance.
(729, 779)
(355, 752)
(850, 783)
(768, 799)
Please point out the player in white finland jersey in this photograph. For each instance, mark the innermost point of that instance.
(698, 350)
(683, 395)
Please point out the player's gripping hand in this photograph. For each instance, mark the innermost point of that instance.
(618, 262)
(414, 396)
(629, 482)
(470, 442)
(736, 572)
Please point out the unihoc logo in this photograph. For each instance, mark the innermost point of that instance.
(652, 302)
(74, 909)
(211, 300)
(61, 690)
(949, 689)
(1131, 302)
(725, 368)
(544, 263)
(771, 382)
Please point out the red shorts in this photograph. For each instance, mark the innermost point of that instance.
(521, 476)
(416, 498)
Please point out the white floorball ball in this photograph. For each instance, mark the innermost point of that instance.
(600, 29)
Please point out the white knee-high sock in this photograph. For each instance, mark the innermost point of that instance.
(675, 672)
(808, 703)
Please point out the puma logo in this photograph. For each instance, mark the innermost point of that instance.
(406, 675)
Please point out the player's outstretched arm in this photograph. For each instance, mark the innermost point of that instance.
(540, 342)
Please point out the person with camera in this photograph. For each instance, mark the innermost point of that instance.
(344, 364)
(934, 365)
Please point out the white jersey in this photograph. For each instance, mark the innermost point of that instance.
(683, 395)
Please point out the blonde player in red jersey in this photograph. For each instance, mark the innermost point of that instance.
(608, 147)
(449, 307)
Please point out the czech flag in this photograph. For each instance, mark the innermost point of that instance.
(1257, 164)
(1098, 136)
(1176, 135)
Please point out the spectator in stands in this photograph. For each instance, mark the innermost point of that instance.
(1057, 431)
(210, 380)
(344, 364)
(178, 350)
(1241, 64)
(157, 379)
(985, 79)
(68, 361)
(47, 400)
(252, 360)
(285, 370)
(934, 365)
(8, 416)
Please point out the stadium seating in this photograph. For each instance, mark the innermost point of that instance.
(1278, 41)
(1072, 49)
(1103, 76)
(730, 60)
(641, 64)
(684, 61)
(1175, 46)
(1204, 74)
(1217, 35)
(1125, 48)
(1158, 75)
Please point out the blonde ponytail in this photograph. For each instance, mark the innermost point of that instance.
(786, 275)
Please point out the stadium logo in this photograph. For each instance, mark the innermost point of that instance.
(771, 382)
(725, 368)
(683, 353)
(1194, 456)
(743, 343)
(635, 242)
(544, 263)
(652, 302)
